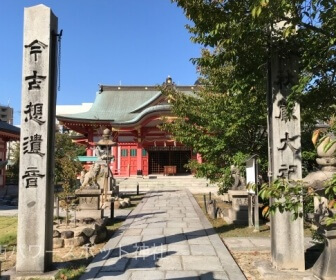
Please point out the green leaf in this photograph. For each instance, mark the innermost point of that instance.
(329, 145)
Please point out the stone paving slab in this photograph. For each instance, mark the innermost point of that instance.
(264, 267)
(167, 236)
(202, 250)
(256, 243)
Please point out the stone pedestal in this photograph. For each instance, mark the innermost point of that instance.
(89, 203)
(225, 197)
(325, 267)
(238, 214)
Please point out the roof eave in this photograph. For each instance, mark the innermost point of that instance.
(131, 122)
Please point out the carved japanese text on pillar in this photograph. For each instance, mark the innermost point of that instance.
(287, 142)
(285, 78)
(32, 145)
(34, 80)
(31, 176)
(36, 49)
(34, 112)
(283, 113)
(286, 170)
(33, 142)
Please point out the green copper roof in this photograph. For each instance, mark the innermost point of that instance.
(121, 105)
(87, 158)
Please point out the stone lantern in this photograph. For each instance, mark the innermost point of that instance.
(103, 152)
(325, 266)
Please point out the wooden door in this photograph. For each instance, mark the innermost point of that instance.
(128, 160)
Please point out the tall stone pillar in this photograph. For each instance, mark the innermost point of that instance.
(285, 161)
(36, 185)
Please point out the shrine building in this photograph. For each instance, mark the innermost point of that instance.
(133, 114)
(8, 133)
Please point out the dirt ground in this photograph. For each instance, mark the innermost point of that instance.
(60, 256)
(246, 260)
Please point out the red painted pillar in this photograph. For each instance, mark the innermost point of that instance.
(199, 158)
(89, 148)
(139, 157)
(115, 160)
(89, 151)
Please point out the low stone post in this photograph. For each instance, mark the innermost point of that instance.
(205, 203)
(57, 207)
(214, 214)
(112, 209)
(250, 210)
(256, 212)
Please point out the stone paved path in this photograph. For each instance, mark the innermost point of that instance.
(167, 236)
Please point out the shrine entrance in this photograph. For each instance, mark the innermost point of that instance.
(160, 158)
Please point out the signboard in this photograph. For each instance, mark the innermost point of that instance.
(251, 173)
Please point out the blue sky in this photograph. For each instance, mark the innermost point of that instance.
(109, 42)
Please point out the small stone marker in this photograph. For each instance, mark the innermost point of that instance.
(89, 203)
(238, 213)
(36, 185)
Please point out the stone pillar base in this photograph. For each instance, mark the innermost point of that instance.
(325, 266)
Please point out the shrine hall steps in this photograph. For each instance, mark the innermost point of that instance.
(161, 182)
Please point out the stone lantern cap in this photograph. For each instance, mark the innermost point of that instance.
(106, 141)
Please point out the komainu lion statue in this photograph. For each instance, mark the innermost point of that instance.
(238, 180)
(89, 180)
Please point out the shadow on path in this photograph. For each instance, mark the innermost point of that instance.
(139, 255)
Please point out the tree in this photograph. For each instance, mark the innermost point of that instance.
(243, 34)
(67, 166)
(220, 127)
(228, 114)
(12, 174)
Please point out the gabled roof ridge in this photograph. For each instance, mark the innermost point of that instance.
(142, 87)
(155, 97)
(121, 87)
